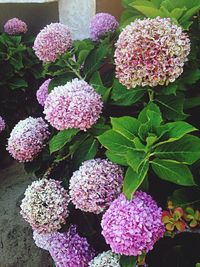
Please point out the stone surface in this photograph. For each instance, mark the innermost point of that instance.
(17, 248)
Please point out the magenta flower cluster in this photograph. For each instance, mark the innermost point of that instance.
(101, 24)
(74, 105)
(95, 185)
(2, 124)
(15, 26)
(151, 52)
(42, 92)
(52, 41)
(27, 139)
(45, 205)
(67, 249)
(132, 227)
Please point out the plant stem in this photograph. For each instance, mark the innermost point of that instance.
(151, 95)
(74, 70)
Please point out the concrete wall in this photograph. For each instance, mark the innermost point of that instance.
(35, 15)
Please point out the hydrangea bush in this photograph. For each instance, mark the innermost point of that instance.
(121, 140)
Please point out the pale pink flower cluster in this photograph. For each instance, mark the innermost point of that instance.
(67, 249)
(2, 124)
(27, 139)
(151, 52)
(52, 41)
(45, 205)
(42, 92)
(133, 227)
(95, 185)
(106, 259)
(73, 105)
(15, 26)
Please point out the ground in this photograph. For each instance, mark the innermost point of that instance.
(17, 248)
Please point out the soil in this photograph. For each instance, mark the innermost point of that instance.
(17, 248)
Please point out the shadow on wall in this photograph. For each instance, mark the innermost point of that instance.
(35, 15)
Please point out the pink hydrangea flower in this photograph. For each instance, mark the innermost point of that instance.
(42, 92)
(15, 26)
(2, 124)
(133, 227)
(45, 205)
(74, 105)
(52, 41)
(27, 139)
(95, 185)
(151, 52)
(67, 249)
(101, 24)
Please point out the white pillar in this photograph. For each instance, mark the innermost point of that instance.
(77, 15)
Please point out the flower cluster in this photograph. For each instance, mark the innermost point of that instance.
(67, 249)
(74, 105)
(106, 259)
(15, 26)
(2, 124)
(27, 139)
(101, 24)
(45, 205)
(132, 227)
(151, 52)
(42, 92)
(95, 185)
(52, 41)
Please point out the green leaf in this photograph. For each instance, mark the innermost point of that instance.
(99, 128)
(172, 171)
(121, 96)
(168, 90)
(189, 13)
(18, 83)
(126, 3)
(191, 76)
(185, 197)
(197, 265)
(149, 12)
(144, 117)
(117, 157)
(60, 80)
(172, 107)
(133, 180)
(126, 126)
(115, 142)
(177, 12)
(185, 150)
(87, 150)
(173, 131)
(128, 261)
(61, 139)
(82, 56)
(135, 158)
(96, 82)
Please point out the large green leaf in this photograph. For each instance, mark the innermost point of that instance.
(117, 157)
(145, 114)
(135, 158)
(115, 142)
(87, 150)
(126, 126)
(61, 139)
(185, 197)
(172, 171)
(121, 96)
(185, 150)
(96, 82)
(128, 261)
(133, 180)
(148, 11)
(173, 131)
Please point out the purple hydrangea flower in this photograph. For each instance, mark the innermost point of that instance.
(133, 227)
(45, 205)
(74, 105)
(15, 26)
(95, 185)
(101, 24)
(52, 41)
(42, 92)
(27, 139)
(2, 124)
(151, 52)
(67, 249)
